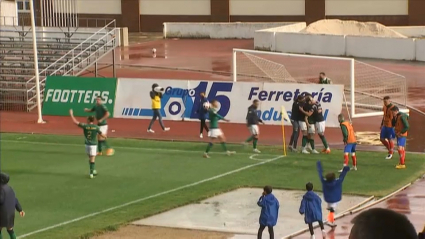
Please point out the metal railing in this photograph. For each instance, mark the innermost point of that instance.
(24, 20)
(75, 61)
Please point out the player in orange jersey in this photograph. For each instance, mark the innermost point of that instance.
(401, 127)
(350, 142)
(387, 127)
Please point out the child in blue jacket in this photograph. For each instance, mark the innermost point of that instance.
(311, 208)
(269, 212)
(332, 190)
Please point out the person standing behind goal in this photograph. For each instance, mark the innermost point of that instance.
(252, 121)
(323, 79)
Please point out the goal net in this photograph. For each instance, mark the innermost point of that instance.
(364, 85)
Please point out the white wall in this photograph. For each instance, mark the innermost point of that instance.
(366, 7)
(381, 47)
(265, 39)
(99, 6)
(267, 7)
(175, 7)
(302, 43)
(233, 30)
(420, 49)
(410, 31)
(8, 13)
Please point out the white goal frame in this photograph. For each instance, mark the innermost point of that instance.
(352, 91)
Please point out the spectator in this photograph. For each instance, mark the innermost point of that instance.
(269, 212)
(379, 223)
(323, 79)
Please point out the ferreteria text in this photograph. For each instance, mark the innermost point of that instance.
(264, 95)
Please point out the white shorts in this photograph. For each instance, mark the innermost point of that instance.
(311, 129)
(91, 150)
(333, 205)
(303, 125)
(104, 129)
(254, 129)
(320, 127)
(215, 133)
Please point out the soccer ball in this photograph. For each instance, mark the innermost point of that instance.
(206, 105)
(153, 51)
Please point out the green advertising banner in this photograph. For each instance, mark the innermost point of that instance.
(67, 92)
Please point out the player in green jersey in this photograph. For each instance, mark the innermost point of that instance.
(215, 132)
(310, 121)
(91, 131)
(101, 114)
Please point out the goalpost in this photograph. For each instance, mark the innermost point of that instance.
(364, 85)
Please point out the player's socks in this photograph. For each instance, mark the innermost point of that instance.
(249, 139)
(391, 147)
(304, 141)
(385, 143)
(99, 146)
(1, 237)
(254, 143)
(209, 146)
(354, 158)
(12, 234)
(91, 167)
(346, 159)
(325, 143)
(311, 143)
(223, 145)
(331, 217)
(106, 144)
(402, 154)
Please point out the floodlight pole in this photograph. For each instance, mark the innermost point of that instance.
(37, 73)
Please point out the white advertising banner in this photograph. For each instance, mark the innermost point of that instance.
(181, 99)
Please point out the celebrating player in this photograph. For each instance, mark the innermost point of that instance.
(332, 190)
(307, 126)
(101, 113)
(401, 127)
(91, 131)
(387, 128)
(215, 132)
(350, 142)
(252, 121)
(320, 124)
(295, 118)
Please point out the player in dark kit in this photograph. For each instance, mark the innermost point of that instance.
(320, 125)
(8, 204)
(203, 115)
(91, 131)
(101, 114)
(295, 117)
(252, 121)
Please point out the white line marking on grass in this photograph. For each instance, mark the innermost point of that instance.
(253, 157)
(150, 197)
(123, 147)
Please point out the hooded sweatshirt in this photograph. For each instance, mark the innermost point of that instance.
(8, 203)
(311, 207)
(332, 191)
(269, 210)
(155, 98)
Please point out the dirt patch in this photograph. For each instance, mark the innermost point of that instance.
(141, 232)
(353, 28)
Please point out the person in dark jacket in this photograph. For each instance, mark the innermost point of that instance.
(8, 204)
(203, 114)
(252, 121)
(295, 116)
(156, 96)
(311, 208)
(332, 190)
(269, 212)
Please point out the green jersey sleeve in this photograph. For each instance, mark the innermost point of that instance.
(81, 125)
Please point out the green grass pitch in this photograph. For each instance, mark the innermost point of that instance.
(50, 177)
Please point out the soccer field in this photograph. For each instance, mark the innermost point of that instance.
(50, 177)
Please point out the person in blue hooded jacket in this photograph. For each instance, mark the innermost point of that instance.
(332, 190)
(269, 212)
(203, 114)
(311, 208)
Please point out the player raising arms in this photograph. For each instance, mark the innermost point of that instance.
(401, 127)
(101, 113)
(91, 131)
(215, 132)
(350, 142)
(252, 121)
(387, 128)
